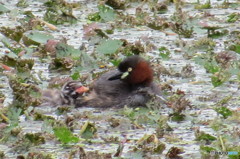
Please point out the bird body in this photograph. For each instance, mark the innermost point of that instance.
(132, 85)
(70, 91)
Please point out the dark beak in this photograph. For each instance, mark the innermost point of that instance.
(116, 76)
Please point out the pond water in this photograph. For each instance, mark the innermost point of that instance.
(198, 89)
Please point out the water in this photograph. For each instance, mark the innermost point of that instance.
(196, 88)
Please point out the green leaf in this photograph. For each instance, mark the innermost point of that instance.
(207, 148)
(3, 9)
(75, 76)
(10, 46)
(116, 62)
(206, 5)
(219, 78)
(36, 38)
(211, 67)
(218, 33)
(12, 55)
(106, 13)
(164, 53)
(35, 138)
(13, 33)
(135, 155)
(59, 12)
(206, 137)
(6, 42)
(216, 81)
(129, 112)
(13, 114)
(199, 60)
(22, 3)
(233, 17)
(225, 112)
(140, 115)
(237, 49)
(94, 17)
(88, 130)
(65, 135)
(234, 70)
(65, 50)
(85, 63)
(177, 117)
(40, 37)
(109, 46)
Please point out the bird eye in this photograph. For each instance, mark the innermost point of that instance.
(129, 69)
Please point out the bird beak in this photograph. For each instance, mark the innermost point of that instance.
(116, 76)
(121, 75)
(124, 75)
(82, 89)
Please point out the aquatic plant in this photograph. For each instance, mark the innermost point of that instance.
(65, 135)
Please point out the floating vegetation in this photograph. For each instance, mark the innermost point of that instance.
(116, 4)
(22, 67)
(225, 112)
(187, 71)
(88, 130)
(37, 154)
(35, 139)
(60, 12)
(25, 95)
(202, 136)
(178, 103)
(174, 152)
(219, 78)
(204, 44)
(180, 24)
(159, 8)
(65, 135)
(109, 47)
(206, 5)
(22, 3)
(222, 66)
(233, 17)
(164, 53)
(150, 143)
(193, 49)
(235, 48)
(3, 9)
(105, 14)
(94, 17)
(36, 38)
(13, 33)
(129, 49)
